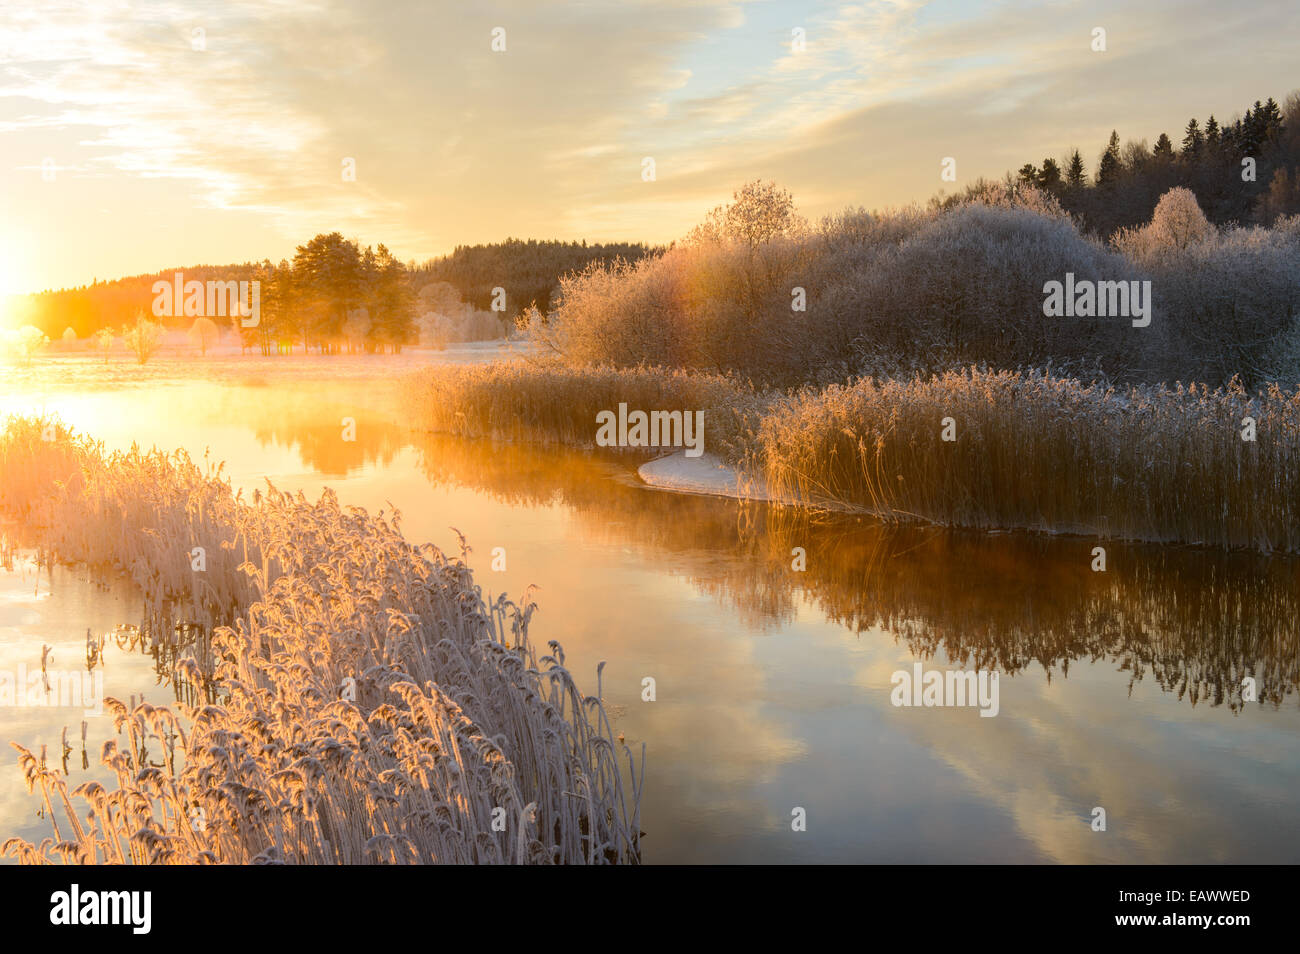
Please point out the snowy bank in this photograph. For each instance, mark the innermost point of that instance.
(706, 474)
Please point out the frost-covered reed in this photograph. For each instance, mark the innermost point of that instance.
(548, 401)
(1042, 452)
(1032, 450)
(369, 706)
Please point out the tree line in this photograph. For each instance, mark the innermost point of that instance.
(1129, 179)
(529, 271)
(336, 295)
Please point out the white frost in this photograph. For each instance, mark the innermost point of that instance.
(706, 474)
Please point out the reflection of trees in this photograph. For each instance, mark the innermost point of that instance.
(1196, 621)
(320, 443)
(312, 424)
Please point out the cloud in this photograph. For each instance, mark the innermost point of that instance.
(455, 143)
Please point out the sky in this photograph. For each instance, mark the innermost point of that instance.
(137, 136)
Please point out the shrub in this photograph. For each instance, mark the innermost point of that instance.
(968, 286)
(912, 288)
(1231, 299)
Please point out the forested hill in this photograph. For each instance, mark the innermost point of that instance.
(1126, 181)
(530, 269)
(114, 303)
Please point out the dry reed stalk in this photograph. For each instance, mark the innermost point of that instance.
(1043, 452)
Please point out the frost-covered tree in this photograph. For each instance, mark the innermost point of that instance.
(27, 342)
(203, 334)
(144, 339)
(759, 212)
(104, 339)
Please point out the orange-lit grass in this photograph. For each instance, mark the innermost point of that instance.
(1042, 452)
(548, 401)
(1033, 450)
(454, 716)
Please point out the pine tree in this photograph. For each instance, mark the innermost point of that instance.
(1164, 147)
(1252, 130)
(1050, 177)
(1193, 140)
(1109, 168)
(1233, 137)
(1212, 134)
(1271, 124)
(1075, 176)
(1029, 174)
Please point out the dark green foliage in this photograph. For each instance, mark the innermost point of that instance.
(529, 271)
(1208, 162)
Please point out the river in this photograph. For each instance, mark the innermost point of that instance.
(773, 685)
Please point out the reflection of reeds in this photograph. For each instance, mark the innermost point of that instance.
(1195, 620)
(460, 745)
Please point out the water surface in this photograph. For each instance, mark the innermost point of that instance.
(773, 685)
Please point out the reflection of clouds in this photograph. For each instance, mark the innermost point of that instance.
(713, 744)
(1176, 787)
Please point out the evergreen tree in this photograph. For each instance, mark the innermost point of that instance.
(1050, 176)
(1252, 130)
(1271, 124)
(1075, 176)
(1212, 134)
(390, 301)
(1231, 137)
(330, 276)
(1164, 147)
(1109, 168)
(1029, 174)
(1193, 140)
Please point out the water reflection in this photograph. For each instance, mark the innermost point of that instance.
(775, 681)
(1195, 621)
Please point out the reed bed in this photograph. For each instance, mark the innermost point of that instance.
(370, 706)
(1042, 452)
(550, 402)
(1034, 450)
